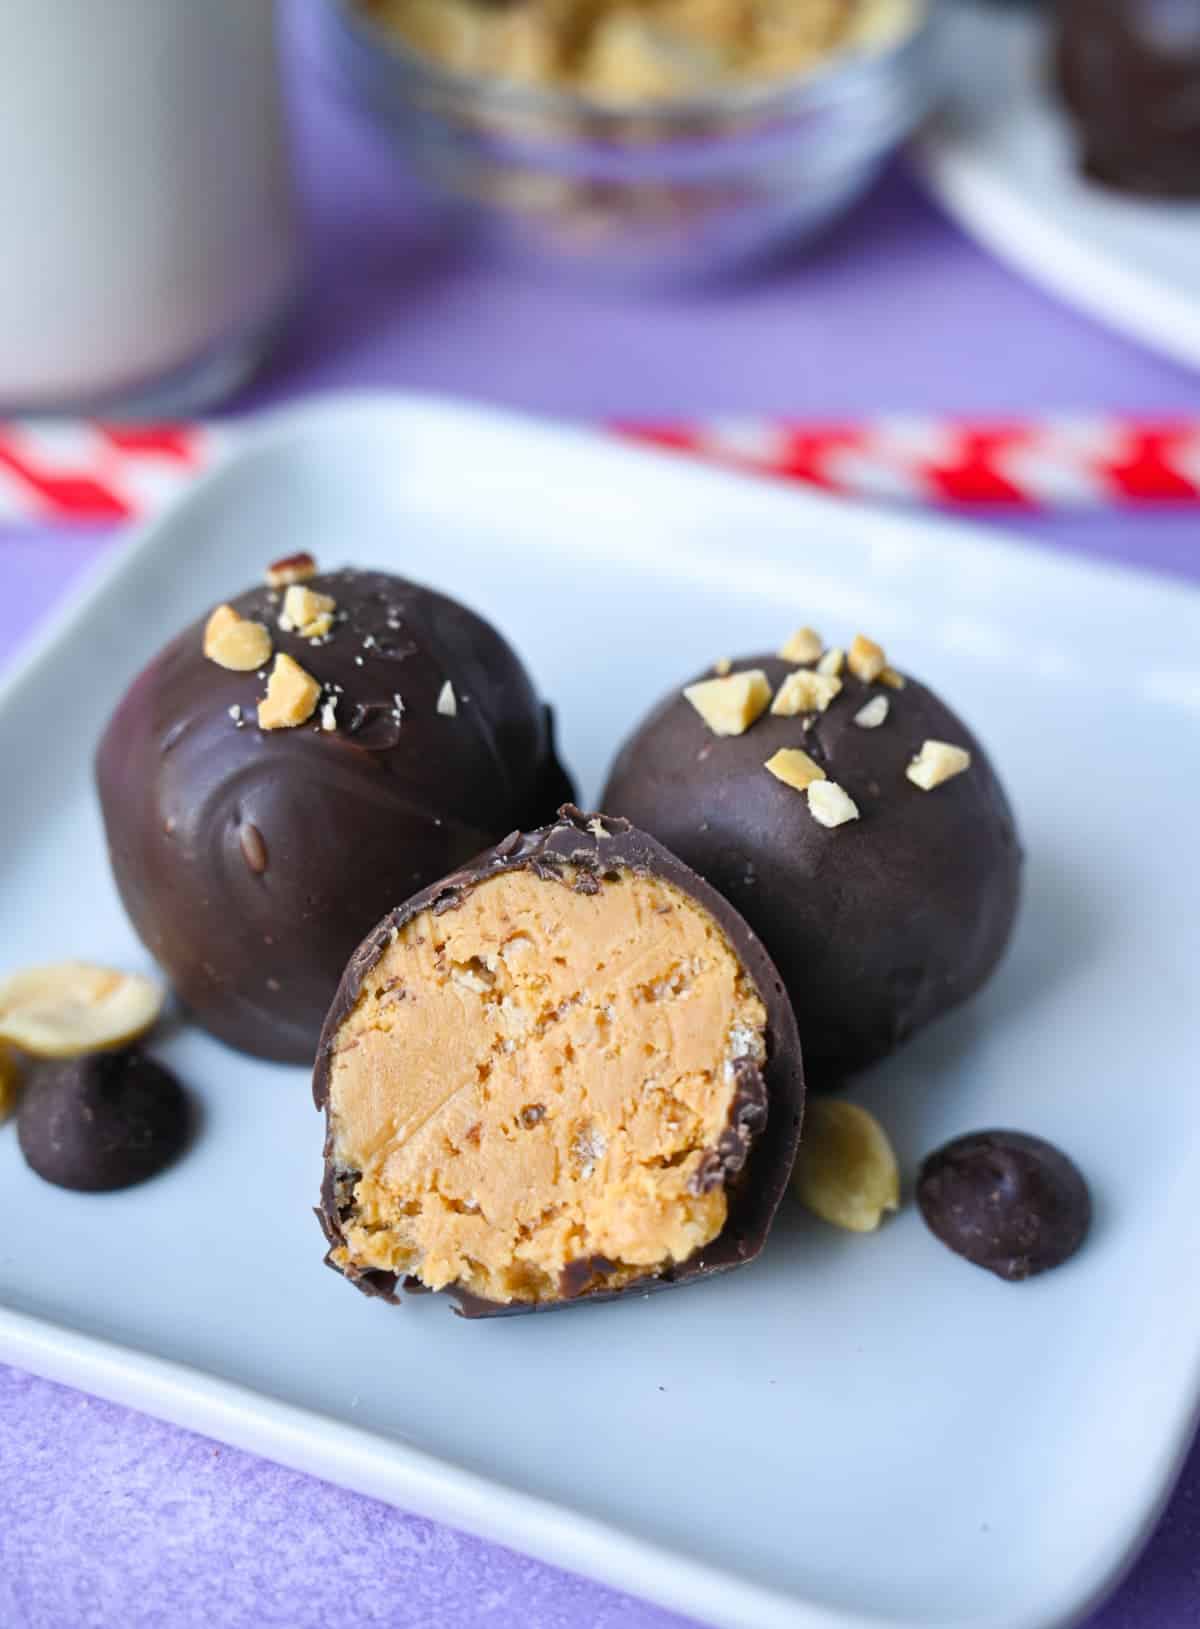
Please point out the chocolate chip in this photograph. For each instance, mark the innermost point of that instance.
(1005, 1201)
(102, 1121)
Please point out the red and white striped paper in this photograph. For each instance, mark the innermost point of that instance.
(1018, 464)
(64, 472)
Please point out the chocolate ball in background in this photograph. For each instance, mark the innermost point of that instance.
(879, 925)
(252, 861)
(1129, 72)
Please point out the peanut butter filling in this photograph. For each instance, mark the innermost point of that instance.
(526, 1096)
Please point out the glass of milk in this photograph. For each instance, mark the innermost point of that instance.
(147, 240)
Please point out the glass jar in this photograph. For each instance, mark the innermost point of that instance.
(149, 244)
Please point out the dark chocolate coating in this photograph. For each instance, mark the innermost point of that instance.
(1133, 87)
(877, 926)
(102, 1121)
(1005, 1201)
(758, 1149)
(252, 862)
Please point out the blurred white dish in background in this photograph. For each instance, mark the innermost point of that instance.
(145, 199)
(1002, 160)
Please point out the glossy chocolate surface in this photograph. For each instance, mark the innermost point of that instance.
(877, 926)
(252, 862)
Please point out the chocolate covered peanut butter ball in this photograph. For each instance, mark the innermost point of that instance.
(1129, 72)
(568, 1071)
(852, 819)
(317, 746)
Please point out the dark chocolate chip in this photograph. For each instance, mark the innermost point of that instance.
(1005, 1201)
(102, 1121)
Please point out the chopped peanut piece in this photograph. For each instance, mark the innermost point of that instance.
(832, 661)
(805, 692)
(936, 762)
(307, 613)
(222, 620)
(293, 568)
(722, 665)
(292, 696)
(794, 768)
(729, 706)
(866, 659)
(872, 714)
(805, 645)
(233, 642)
(329, 714)
(893, 680)
(829, 805)
(447, 702)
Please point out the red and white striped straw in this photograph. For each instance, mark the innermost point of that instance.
(63, 472)
(1024, 464)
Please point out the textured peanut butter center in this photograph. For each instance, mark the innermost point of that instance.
(526, 1096)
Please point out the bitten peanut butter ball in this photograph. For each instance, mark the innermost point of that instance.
(316, 745)
(853, 820)
(565, 1072)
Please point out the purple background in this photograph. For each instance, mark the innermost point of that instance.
(110, 1518)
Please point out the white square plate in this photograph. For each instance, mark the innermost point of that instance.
(854, 1430)
(1001, 157)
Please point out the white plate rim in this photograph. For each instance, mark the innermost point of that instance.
(312, 1442)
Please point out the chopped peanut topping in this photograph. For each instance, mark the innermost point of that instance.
(292, 696)
(893, 680)
(729, 706)
(829, 805)
(794, 768)
(293, 568)
(833, 661)
(722, 665)
(447, 702)
(805, 692)
(233, 642)
(936, 762)
(805, 645)
(866, 659)
(872, 714)
(307, 613)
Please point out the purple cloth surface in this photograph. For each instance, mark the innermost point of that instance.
(111, 1518)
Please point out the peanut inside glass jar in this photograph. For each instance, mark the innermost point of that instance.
(628, 51)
